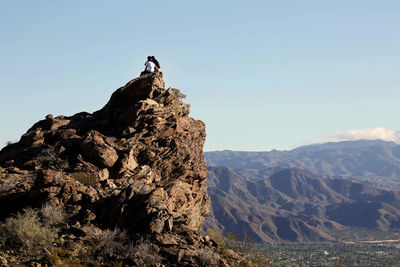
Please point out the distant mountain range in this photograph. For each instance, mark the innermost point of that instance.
(373, 162)
(306, 194)
(296, 205)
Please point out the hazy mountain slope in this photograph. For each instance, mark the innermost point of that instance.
(374, 162)
(296, 205)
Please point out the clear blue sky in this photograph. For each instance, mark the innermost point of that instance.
(260, 74)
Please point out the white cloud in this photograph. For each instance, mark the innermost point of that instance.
(366, 134)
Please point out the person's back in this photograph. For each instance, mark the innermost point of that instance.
(150, 66)
(155, 61)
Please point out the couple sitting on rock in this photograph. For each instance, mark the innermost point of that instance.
(151, 65)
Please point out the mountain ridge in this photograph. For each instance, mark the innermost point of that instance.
(296, 205)
(373, 162)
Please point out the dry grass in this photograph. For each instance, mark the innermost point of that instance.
(27, 230)
(110, 245)
(47, 154)
(6, 186)
(32, 229)
(10, 181)
(230, 241)
(11, 142)
(48, 157)
(86, 178)
(207, 257)
(63, 257)
(218, 237)
(52, 215)
(107, 243)
(146, 254)
(181, 96)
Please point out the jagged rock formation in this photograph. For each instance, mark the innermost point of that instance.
(137, 164)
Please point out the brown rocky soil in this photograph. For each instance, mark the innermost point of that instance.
(135, 167)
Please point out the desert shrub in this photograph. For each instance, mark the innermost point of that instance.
(6, 186)
(3, 235)
(107, 243)
(27, 230)
(65, 257)
(146, 254)
(245, 246)
(60, 176)
(115, 264)
(86, 178)
(256, 259)
(48, 157)
(47, 154)
(207, 257)
(60, 164)
(10, 143)
(62, 257)
(217, 236)
(181, 96)
(248, 264)
(52, 214)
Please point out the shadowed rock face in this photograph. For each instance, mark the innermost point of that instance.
(142, 159)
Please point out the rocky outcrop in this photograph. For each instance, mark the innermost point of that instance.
(137, 164)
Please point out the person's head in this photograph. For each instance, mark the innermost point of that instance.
(153, 58)
(149, 58)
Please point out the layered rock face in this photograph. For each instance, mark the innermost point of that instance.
(137, 164)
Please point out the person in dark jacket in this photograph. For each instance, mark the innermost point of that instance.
(155, 61)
